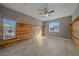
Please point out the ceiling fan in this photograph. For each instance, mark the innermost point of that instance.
(45, 13)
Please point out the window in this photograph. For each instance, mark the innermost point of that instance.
(54, 27)
(9, 29)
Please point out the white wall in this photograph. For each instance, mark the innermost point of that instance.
(76, 13)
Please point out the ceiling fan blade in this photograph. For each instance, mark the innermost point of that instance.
(51, 11)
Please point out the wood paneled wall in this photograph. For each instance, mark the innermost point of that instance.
(23, 31)
(75, 32)
(42, 30)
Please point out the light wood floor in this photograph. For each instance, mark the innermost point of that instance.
(45, 46)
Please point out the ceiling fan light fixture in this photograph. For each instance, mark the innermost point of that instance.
(46, 12)
(45, 15)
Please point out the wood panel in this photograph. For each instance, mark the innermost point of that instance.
(23, 31)
(75, 32)
(43, 29)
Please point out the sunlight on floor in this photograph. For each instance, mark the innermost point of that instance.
(40, 38)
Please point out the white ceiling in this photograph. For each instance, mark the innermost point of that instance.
(33, 9)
